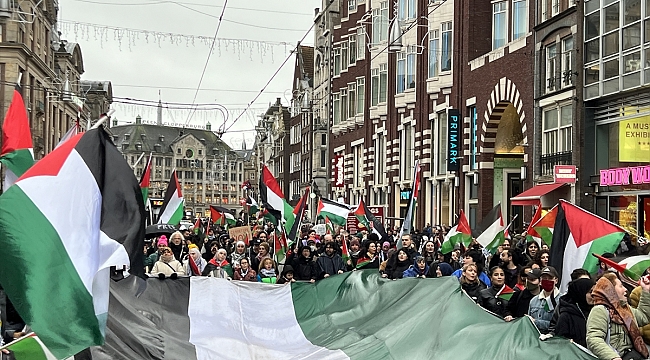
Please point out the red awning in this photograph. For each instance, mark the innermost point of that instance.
(533, 196)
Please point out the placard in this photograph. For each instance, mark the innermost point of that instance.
(242, 233)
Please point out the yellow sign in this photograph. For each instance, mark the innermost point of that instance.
(242, 233)
(634, 140)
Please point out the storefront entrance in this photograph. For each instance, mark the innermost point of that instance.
(644, 215)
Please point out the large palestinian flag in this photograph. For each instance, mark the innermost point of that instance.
(577, 234)
(171, 211)
(85, 214)
(16, 153)
(633, 267)
(271, 194)
(201, 318)
(336, 212)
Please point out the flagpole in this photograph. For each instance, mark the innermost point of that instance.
(103, 119)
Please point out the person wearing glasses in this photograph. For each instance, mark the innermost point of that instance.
(167, 265)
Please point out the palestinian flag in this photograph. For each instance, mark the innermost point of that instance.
(363, 262)
(16, 153)
(345, 252)
(253, 208)
(490, 232)
(271, 194)
(505, 293)
(30, 347)
(171, 211)
(86, 214)
(543, 228)
(247, 185)
(633, 267)
(221, 216)
(333, 319)
(459, 234)
(329, 228)
(198, 229)
(280, 246)
(367, 219)
(144, 181)
(74, 130)
(407, 225)
(298, 213)
(288, 217)
(336, 212)
(577, 234)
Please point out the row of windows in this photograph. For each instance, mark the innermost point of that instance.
(348, 52)
(349, 102)
(500, 20)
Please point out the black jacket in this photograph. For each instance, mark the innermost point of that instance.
(391, 264)
(397, 271)
(304, 268)
(474, 290)
(518, 304)
(572, 323)
(489, 301)
(329, 265)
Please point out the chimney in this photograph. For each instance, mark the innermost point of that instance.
(115, 122)
(208, 126)
(278, 102)
(159, 111)
(138, 120)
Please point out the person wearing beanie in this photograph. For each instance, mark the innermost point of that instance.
(150, 260)
(383, 252)
(167, 265)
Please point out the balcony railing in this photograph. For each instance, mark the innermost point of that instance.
(548, 161)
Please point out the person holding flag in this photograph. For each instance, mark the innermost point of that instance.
(542, 306)
(495, 298)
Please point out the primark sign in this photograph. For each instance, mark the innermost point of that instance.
(453, 140)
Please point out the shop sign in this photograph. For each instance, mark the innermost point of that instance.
(634, 139)
(453, 139)
(625, 176)
(354, 225)
(339, 171)
(564, 174)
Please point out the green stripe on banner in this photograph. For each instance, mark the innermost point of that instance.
(369, 317)
(26, 271)
(28, 349)
(605, 244)
(18, 161)
(177, 216)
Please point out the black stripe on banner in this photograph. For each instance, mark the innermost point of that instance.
(147, 319)
(561, 234)
(122, 205)
(487, 221)
(171, 190)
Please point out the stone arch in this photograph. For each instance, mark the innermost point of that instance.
(504, 94)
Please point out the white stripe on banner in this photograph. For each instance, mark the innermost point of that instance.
(574, 258)
(244, 320)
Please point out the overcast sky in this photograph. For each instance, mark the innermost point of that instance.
(139, 67)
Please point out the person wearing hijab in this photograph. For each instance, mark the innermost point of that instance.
(613, 326)
(437, 270)
(403, 261)
(239, 253)
(574, 309)
(195, 256)
(264, 253)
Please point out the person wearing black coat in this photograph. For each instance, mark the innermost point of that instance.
(329, 262)
(574, 310)
(304, 267)
(488, 298)
(520, 300)
(403, 262)
(407, 246)
(470, 283)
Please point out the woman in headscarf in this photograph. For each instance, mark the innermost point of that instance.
(371, 259)
(494, 298)
(613, 326)
(199, 261)
(239, 253)
(470, 283)
(167, 265)
(441, 269)
(574, 310)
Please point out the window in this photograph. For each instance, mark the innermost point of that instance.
(555, 7)
(337, 61)
(353, 48)
(168, 161)
(473, 138)
(406, 9)
(295, 134)
(374, 85)
(407, 152)
(567, 67)
(556, 129)
(233, 177)
(519, 14)
(551, 68)
(336, 109)
(352, 5)
(352, 98)
(433, 52)
(361, 43)
(410, 67)
(442, 143)
(380, 159)
(383, 82)
(179, 174)
(358, 166)
(445, 55)
(344, 56)
(159, 161)
(380, 23)
(168, 174)
(295, 162)
(200, 152)
(401, 72)
(178, 151)
(361, 95)
(323, 158)
(189, 175)
(344, 104)
(199, 175)
(499, 24)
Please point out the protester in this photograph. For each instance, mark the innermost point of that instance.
(151, 259)
(194, 255)
(440, 269)
(244, 272)
(303, 266)
(473, 256)
(519, 303)
(239, 253)
(263, 252)
(355, 253)
(429, 252)
(383, 254)
(287, 275)
(574, 309)
(219, 266)
(267, 273)
(542, 306)
(167, 265)
(613, 326)
(371, 259)
(510, 269)
(330, 262)
(419, 269)
(470, 283)
(176, 243)
(489, 298)
(402, 262)
(542, 258)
